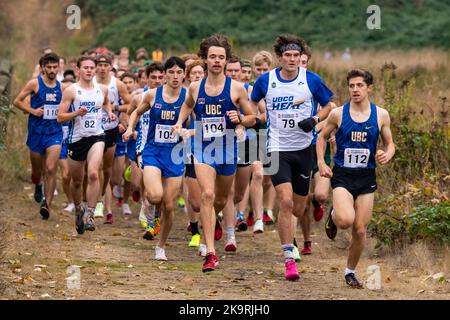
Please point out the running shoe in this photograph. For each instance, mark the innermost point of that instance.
(38, 193)
(79, 222)
(218, 231)
(195, 241)
(181, 202)
(160, 254)
(258, 227)
(306, 248)
(291, 272)
(318, 211)
(267, 218)
(241, 225)
(126, 209)
(70, 207)
(89, 223)
(149, 233)
(157, 225)
(351, 281)
(210, 263)
(98, 213)
(250, 219)
(231, 245)
(330, 227)
(117, 192)
(45, 213)
(202, 250)
(109, 219)
(119, 202)
(142, 217)
(296, 254)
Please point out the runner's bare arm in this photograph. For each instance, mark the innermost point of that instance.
(107, 106)
(126, 97)
(322, 122)
(384, 156)
(248, 119)
(145, 105)
(135, 100)
(187, 107)
(63, 110)
(30, 88)
(330, 125)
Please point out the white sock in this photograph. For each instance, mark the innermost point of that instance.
(230, 232)
(348, 271)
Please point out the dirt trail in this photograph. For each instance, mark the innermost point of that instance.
(117, 263)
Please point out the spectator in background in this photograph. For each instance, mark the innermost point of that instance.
(62, 64)
(124, 58)
(142, 59)
(327, 55)
(346, 56)
(157, 55)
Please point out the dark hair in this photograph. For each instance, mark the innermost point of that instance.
(104, 58)
(68, 80)
(307, 51)
(85, 58)
(174, 61)
(234, 59)
(69, 72)
(128, 74)
(216, 40)
(155, 66)
(366, 75)
(287, 39)
(48, 58)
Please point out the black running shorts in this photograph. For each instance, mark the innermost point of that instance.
(79, 150)
(355, 181)
(111, 137)
(294, 167)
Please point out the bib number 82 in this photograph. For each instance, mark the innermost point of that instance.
(89, 124)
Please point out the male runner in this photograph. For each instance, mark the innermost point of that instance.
(45, 134)
(359, 123)
(82, 104)
(216, 102)
(290, 92)
(163, 168)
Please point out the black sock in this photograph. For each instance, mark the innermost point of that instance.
(307, 242)
(194, 228)
(295, 243)
(314, 202)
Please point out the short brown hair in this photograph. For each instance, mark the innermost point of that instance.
(366, 75)
(216, 40)
(85, 58)
(188, 56)
(287, 39)
(193, 65)
(234, 59)
(128, 74)
(262, 57)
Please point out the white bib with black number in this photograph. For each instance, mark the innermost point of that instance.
(356, 158)
(164, 134)
(287, 120)
(50, 111)
(213, 127)
(90, 123)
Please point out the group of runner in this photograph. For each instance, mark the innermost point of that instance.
(199, 127)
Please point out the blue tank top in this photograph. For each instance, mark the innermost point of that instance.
(356, 142)
(50, 99)
(214, 107)
(163, 115)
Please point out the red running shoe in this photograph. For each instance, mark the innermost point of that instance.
(250, 219)
(306, 248)
(210, 263)
(218, 231)
(109, 219)
(267, 219)
(318, 211)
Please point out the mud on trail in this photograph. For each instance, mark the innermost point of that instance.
(117, 263)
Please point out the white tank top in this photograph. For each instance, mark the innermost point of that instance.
(91, 123)
(114, 98)
(288, 102)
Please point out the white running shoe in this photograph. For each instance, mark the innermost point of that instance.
(98, 213)
(126, 209)
(202, 250)
(258, 227)
(117, 192)
(70, 207)
(160, 254)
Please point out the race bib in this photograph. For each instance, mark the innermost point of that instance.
(213, 127)
(356, 158)
(90, 123)
(164, 134)
(287, 121)
(50, 111)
